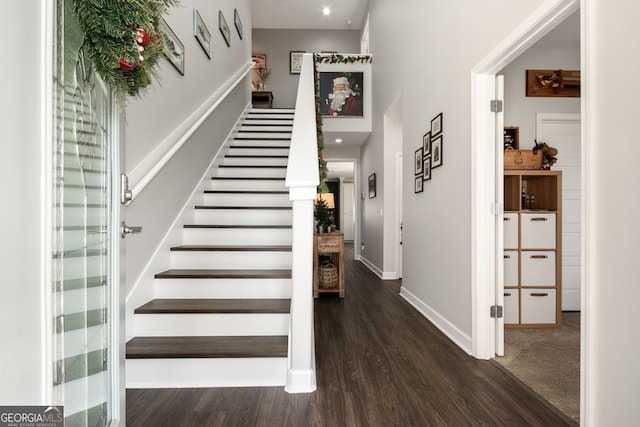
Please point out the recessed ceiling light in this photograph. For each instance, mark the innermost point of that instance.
(326, 11)
(338, 140)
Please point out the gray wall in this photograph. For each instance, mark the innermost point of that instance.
(277, 44)
(156, 121)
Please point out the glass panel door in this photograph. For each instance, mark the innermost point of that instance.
(83, 220)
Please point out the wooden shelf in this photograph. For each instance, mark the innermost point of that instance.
(331, 245)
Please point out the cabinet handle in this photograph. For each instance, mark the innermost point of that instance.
(538, 257)
(507, 218)
(539, 294)
(539, 219)
(507, 294)
(507, 256)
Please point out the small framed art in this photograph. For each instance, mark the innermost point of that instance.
(426, 167)
(436, 125)
(237, 22)
(173, 48)
(419, 184)
(201, 33)
(372, 185)
(295, 61)
(418, 162)
(224, 28)
(426, 144)
(436, 152)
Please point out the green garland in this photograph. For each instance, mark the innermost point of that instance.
(322, 163)
(336, 58)
(123, 41)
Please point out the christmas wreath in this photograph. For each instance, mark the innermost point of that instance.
(122, 40)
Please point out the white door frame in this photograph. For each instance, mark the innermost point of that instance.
(483, 165)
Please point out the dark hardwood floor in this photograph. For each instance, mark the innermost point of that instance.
(379, 363)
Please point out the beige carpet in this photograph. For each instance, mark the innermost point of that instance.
(548, 361)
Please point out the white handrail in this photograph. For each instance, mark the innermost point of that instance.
(302, 179)
(141, 178)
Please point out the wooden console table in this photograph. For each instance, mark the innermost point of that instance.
(332, 245)
(262, 99)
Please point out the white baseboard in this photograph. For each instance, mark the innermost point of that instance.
(300, 381)
(461, 339)
(384, 275)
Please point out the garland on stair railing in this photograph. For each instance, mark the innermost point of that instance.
(336, 58)
(322, 164)
(122, 40)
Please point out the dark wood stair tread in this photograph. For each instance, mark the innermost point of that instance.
(244, 192)
(206, 347)
(239, 226)
(231, 248)
(223, 274)
(272, 208)
(192, 306)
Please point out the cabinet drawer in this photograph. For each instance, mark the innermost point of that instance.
(510, 230)
(538, 268)
(511, 306)
(538, 230)
(510, 268)
(538, 306)
(329, 244)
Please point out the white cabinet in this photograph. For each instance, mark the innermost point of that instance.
(532, 248)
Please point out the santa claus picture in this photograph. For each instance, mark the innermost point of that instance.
(341, 94)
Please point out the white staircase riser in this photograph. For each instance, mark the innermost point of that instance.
(79, 215)
(256, 161)
(240, 260)
(77, 176)
(274, 122)
(242, 217)
(246, 199)
(93, 195)
(232, 236)
(223, 288)
(247, 185)
(188, 373)
(254, 127)
(197, 324)
(74, 239)
(265, 136)
(248, 142)
(252, 172)
(258, 151)
(276, 112)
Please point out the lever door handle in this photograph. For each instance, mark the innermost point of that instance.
(125, 229)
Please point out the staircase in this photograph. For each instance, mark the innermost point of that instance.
(220, 317)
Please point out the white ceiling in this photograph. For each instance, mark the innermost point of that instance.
(307, 14)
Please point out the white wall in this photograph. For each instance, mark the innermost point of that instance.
(277, 44)
(519, 109)
(22, 144)
(610, 124)
(156, 122)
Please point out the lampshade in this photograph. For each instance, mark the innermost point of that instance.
(328, 198)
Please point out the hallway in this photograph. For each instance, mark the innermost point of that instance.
(379, 363)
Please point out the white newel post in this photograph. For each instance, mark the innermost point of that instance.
(302, 179)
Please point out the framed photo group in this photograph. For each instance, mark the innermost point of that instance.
(173, 48)
(429, 155)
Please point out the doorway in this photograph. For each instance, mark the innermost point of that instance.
(487, 168)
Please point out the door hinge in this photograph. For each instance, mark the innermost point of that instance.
(496, 312)
(496, 106)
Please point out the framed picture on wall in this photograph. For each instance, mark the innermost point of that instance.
(341, 93)
(426, 144)
(173, 48)
(419, 184)
(224, 28)
(237, 22)
(426, 167)
(295, 61)
(201, 33)
(436, 152)
(436, 125)
(372, 185)
(418, 162)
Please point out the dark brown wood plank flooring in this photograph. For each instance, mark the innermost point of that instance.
(379, 363)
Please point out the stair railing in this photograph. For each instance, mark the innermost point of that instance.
(302, 180)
